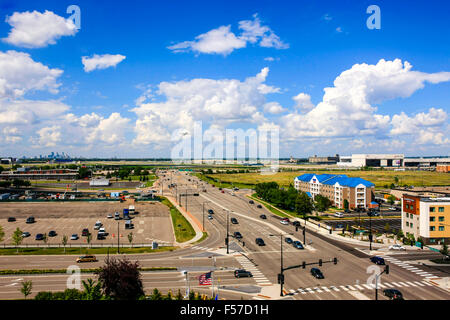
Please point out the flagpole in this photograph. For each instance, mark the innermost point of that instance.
(212, 282)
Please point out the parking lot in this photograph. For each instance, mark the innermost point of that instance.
(152, 221)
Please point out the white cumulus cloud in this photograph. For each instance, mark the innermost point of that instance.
(101, 61)
(36, 29)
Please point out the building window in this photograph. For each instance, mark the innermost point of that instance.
(411, 224)
(432, 209)
(432, 219)
(432, 240)
(441, 228)
(432, 228)
(441, 209)
(407, 224)
(441, 219)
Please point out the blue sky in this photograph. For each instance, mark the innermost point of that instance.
(317, 42)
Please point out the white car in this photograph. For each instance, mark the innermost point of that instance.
(339, 215)
(109, 216)
(97, 225)
(284, 222)
(396, 247)
(210, 217)
(74, 237)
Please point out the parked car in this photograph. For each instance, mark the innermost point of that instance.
(298, 245)
(86, 259)
(52, 233)
(85, 232)
(39, 236)
(210, 217)
(378, 260)
(238, 235)
(263, 216)
(116, 216)
(242, 273)
(74, 237)
(11, 219)
(101, 236)
(260, 242)
(25, 234)
(109, 216)
(234, 221)
(396, 247)
(210, 211)
(97, 225)
(129, 224)
(288, 240)
(393, 294)
(102, 231)
(30, 220)
(317, 273)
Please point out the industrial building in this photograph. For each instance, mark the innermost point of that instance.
(358, 192)
(427, 218)
(392, 160)
(324, 160)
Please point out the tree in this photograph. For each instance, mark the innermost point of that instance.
(156, 295)
(45, 238)
(121, 280)
(26, 288)
(64, 242)
(444, 249)
(346, 204)
(2, 234)
(322, 203)
(92, 290)
(17, 238)
(387, 227)
(391, 199)
(130, 238)
(303, 204)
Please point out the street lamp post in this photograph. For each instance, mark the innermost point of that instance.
(118, 237)
(228, 232)
(281, 279)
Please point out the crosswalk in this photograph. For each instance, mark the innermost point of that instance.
(360, 287)
(409, 267)
(200, 248)
(258, 276)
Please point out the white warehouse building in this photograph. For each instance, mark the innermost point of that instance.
(372, 160)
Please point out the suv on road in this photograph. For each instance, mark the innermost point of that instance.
(234, 221)
(298, 245)
(242, 273)
(238, 235)
(210, 211)
(393, 294)
(259, 206)
(338, 214)
(378, 260)
(11, 219)
(263, 216)
(87, 259)
(288, 240)
(251, 202)
(260, 242)
(317, 273)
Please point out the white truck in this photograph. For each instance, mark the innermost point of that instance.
(131, 209)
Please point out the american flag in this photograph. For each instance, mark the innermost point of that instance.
(205, 279)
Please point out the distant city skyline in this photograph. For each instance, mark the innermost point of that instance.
(118, 80)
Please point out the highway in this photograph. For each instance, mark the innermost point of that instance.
(351, 278)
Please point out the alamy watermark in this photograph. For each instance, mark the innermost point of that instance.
(76, 15)
(374, 21)
(227, 146)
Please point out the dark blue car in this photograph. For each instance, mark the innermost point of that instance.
(297, 244)
(378, 260)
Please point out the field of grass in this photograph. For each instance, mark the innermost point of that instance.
(379, 177)
(183, 229)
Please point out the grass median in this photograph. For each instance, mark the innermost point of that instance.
(182, 228)
(64, 271)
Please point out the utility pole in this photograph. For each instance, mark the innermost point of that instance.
(118, 237)
(370, 234)
(228, 233)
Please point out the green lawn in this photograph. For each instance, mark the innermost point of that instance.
(379, 177)
(183, 229)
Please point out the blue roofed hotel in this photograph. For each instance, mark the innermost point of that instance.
(358, 192)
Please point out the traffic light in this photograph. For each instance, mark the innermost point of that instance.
(320, 262)
(281, 278)
(335, 260)
(304, 265)
(386, 269)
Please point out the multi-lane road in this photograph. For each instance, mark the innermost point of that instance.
(351, 278)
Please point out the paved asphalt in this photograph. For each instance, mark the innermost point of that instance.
(350, 279)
